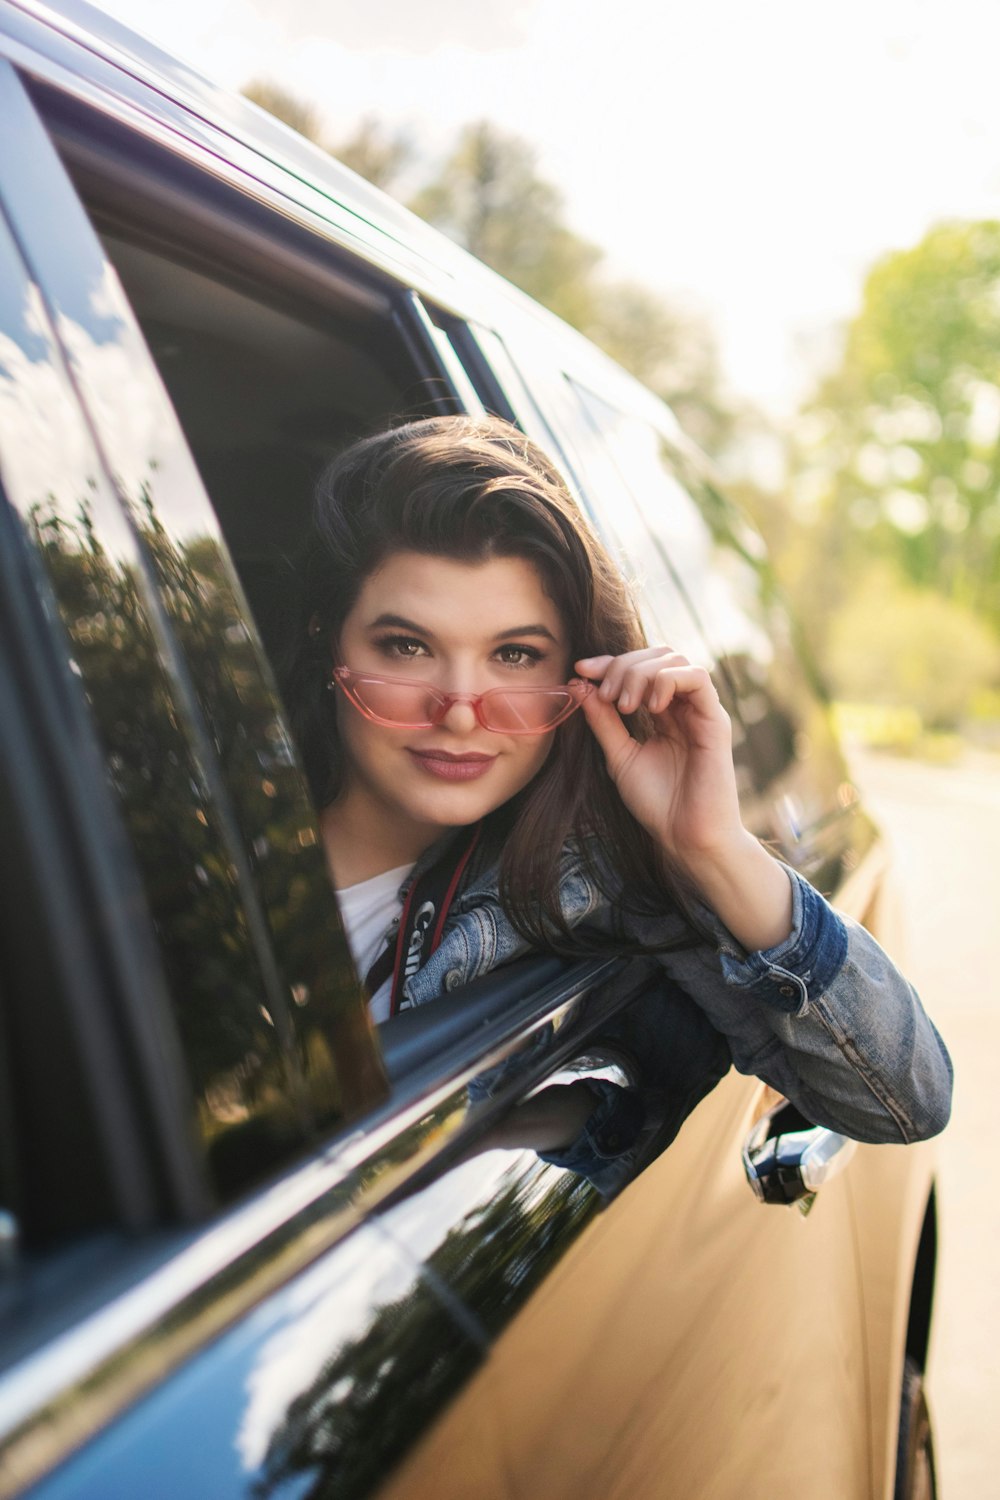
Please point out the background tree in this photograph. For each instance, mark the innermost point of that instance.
(297, 113)
(899, 452)
(902, 647)
(379, 155)
(488, 195)
(888, 538)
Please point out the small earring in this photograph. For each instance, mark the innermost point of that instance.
(331, 685)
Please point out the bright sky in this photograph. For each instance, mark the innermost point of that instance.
(750, 158)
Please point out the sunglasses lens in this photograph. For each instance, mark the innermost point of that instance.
(403, 703)
(526, 710)
(417, 705)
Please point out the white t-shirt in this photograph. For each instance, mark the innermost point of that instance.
(368, 910)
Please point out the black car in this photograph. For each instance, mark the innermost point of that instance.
(249, 1247)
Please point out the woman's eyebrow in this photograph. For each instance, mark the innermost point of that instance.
(399, 622)
(542, 630)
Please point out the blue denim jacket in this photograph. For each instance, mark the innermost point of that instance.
(824, 1017)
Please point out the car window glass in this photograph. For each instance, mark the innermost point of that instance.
(794, 784)
(73, 530)
(184, 704)
(504, 388)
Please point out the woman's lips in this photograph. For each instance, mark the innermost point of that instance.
(453, 767)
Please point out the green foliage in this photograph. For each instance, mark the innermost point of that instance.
(902, 647)
(246, 1065)
(899, 453)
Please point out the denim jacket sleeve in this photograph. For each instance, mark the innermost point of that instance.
(827, 1019)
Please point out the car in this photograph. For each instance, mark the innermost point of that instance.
(250, 1245)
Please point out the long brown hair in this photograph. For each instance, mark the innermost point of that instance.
(470, 489)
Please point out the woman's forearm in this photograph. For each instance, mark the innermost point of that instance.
(749, 892)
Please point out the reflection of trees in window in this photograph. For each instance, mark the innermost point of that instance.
(239, 707)
(369, 1403)
(379, 1391)
(243, 1072)
(495, 1258)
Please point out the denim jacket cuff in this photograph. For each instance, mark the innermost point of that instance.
(803, 966)
(612, 1128)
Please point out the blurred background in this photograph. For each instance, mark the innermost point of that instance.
(785, 219)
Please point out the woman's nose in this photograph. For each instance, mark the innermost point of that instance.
(460, 716)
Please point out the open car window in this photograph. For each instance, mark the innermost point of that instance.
(275, 353)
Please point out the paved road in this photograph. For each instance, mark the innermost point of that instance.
(944, 824)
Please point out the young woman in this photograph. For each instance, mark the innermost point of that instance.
(503, 764)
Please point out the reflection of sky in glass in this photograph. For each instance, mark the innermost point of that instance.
(133, 420)
(47, 452)
(132, 414)
(36, 189)
(465, 1190)
(47, 458)
(33, 401)
(362, 1275)
(22, 316)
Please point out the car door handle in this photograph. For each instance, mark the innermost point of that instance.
(787, 1160)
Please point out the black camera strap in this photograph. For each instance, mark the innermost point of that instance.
(421, 925)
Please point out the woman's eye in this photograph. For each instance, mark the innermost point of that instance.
(519, 656)
(402, 647)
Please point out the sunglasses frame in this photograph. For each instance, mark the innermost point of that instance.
(345, 678)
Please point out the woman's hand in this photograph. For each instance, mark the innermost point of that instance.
(680, 784)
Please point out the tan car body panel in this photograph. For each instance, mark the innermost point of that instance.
(546, 1416)
(591, 1396)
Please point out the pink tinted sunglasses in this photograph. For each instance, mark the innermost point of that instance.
(402, 703)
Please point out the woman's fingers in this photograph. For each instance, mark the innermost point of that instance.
(611, 669)
(654, 678)
(610, 732)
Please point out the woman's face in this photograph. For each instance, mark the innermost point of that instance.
(465, 628)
